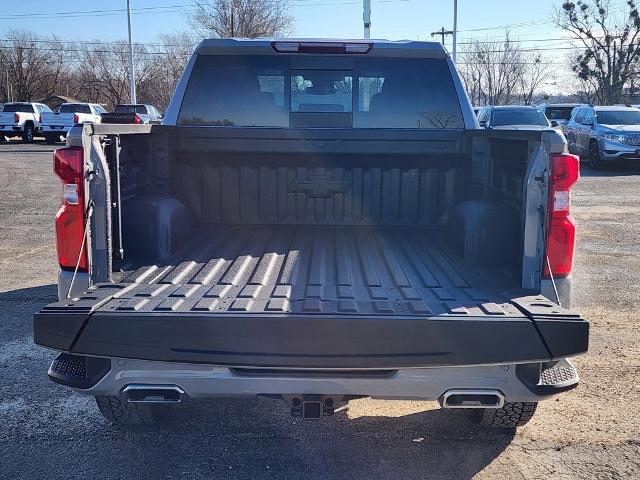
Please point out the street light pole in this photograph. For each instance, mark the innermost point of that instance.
(132, 75)
(455, 28)
(366, 17)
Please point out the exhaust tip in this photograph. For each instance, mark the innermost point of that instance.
(153, 393)
(472, 399)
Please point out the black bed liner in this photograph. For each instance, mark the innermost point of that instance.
(309, 269)
(309, 296)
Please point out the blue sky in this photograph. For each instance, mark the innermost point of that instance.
(393, 19)
(528, 21)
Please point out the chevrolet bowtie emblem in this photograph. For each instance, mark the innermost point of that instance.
(319, 186)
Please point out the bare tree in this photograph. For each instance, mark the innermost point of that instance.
(241, 18)
(102, 72)
(492, 70)
(610, 42)
(502, 72)
(34, 65)
(535, 73)
(168, 63)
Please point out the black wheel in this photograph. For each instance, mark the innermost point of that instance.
(27, 135)
(594, 156)
(510, 416)
(51, 139)
(120, 411)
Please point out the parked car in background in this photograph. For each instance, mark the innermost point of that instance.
(22, 119)
(128, 113)
(57, 124)
(560, 112)
(604, 134)
(514, 117)
(257, 243)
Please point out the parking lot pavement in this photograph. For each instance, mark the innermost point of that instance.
(46, 431)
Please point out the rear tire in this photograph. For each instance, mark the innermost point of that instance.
(510, 416)
(595, 162)
(51, 139)
(119, 411)
(28, 134)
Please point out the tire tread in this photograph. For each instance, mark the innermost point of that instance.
(511, 415)
(118, 410)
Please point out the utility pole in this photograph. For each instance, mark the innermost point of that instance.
(132, 74)
(366, 17)
(233, 9)
(442, 32)
(455, 28)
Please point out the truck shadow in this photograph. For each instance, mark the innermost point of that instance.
(230, 438)
(19, 305)
(251, 436)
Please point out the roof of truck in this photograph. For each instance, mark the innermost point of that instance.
(514, 107)
(398, 48)
(605, 108)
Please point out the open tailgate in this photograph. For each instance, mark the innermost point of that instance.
(166, 323)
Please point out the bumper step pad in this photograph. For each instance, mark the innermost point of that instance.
(562, 373)
(78, 371)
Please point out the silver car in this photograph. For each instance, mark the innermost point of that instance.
(604, 134)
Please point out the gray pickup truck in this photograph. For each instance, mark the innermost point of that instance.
(315, 221)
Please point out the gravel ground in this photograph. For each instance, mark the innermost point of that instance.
(46, 431)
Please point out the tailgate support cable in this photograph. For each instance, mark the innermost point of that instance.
(119, 197)
(84, 238)
(553, 281)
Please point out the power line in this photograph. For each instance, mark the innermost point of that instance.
(179, 8)
(6, 47)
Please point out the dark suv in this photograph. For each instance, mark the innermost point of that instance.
(513, 117)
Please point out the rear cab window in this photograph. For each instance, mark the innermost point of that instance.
(75, 108)
(558, 113)
(518, 116)
(131, 109)
(327, 92)
(18, 108)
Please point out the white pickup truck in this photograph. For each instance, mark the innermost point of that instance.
(22, 119)
(58, 124)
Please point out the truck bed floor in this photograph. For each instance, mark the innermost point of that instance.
(313, 270)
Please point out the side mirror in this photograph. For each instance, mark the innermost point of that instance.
(483, 123)
(554, 123)
(588, 122)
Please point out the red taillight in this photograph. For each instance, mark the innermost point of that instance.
(16, 117)
(68, 164)
(76, 118)
(136, 118)
(561, 235)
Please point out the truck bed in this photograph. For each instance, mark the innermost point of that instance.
(311, 269)
(312, 297)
